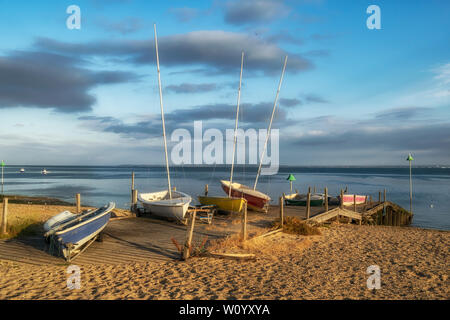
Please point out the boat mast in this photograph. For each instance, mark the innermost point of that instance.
(162, 114)
(236, 126)
(270, 123)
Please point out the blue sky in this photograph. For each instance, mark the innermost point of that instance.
(351, 96)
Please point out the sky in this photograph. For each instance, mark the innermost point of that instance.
(350, 96)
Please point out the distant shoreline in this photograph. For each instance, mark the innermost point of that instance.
(19, 199)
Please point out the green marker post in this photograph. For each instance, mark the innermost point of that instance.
(290, 179)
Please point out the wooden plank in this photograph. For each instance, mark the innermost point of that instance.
(187, 245)
(232, 255)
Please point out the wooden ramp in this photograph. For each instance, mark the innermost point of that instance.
(384, 213)
(336, 212)
(125, 241)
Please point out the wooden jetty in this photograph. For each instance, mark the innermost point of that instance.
(381, 213)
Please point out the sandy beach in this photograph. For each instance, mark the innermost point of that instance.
(413, 262)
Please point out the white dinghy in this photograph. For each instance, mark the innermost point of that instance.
(162, 205)
(167, 203)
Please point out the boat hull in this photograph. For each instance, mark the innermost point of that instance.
(349, 199)
(156, 204)
(296, 199)
(223, 203)
(72, 235)
(312, 203)
(254, 202)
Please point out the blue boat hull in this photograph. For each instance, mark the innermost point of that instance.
(79, 234)
(73, 237)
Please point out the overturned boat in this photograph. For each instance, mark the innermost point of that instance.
(69, 234)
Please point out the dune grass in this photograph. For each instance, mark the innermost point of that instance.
(293, 225)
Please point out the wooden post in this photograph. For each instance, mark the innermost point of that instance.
(341, 205)
(134, 200)
(281, 211)
(174, 188)
(244, 223)
(308, 205)
(384, 197)
(190, 231)
(354, 202)
(206, 190)
(4, 215)
(78, 200)
(132, 189)
(326, 199)
(370, 201)
(309, 189)
(379, 196)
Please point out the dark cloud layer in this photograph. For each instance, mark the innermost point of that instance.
(254, 11)
(191, 87)
(253, 115)
(420, 138)
(124, 26)
(44, 80)
(401, 113)
(217, 51)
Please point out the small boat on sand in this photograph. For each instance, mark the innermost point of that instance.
(228, 203)
(167, 203)
(256, 200)
(223, 203)
(349, 199)
(69, 234)
(161, 204)
(297, 199)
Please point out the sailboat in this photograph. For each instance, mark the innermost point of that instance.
(167, 203)
(230, 203)
(256, 200)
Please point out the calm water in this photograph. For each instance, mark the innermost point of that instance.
(99, 185)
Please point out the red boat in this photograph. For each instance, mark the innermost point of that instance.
(256, 200)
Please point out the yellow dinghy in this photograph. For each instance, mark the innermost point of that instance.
(223, 203)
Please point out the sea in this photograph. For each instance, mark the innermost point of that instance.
(99, 185)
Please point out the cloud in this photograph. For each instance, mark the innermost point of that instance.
(401, 113)
(289, 103)
(191, 88)
(184, 14)
(253, 115)
(254, 11)
(430, 138)
(313, 98)
(125, 26)
(46, 80)
(216, 51)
